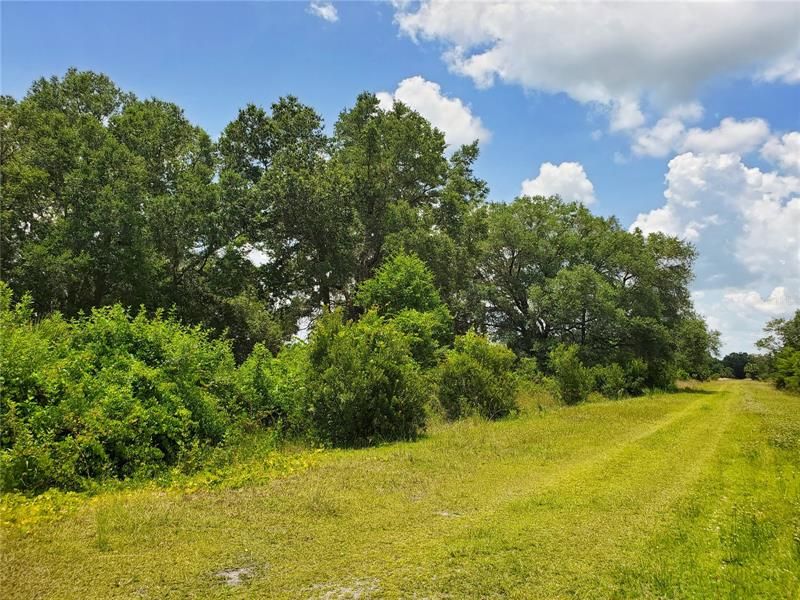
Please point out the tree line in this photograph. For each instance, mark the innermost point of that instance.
(375, 233)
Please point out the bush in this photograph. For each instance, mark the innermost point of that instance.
(363, 384)
(273, 389)
(636, 374)
(573, 380)
(527, 370)
(787, 369)
(427, 332)
(108, 395)
(403, 292)
(477, 377)
(402, 282)
(610, 380)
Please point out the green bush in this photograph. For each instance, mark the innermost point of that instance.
(106, 395)
(787, 369)
(573, 380)
(427, 332)
(527, 370)
(403, 292)
(610, 380)
(636, 376)
(402, 282)
(273, 388)
(477, 377)
(363, 384)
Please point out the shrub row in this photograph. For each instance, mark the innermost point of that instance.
(116, 395)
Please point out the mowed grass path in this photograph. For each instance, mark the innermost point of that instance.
(690, 495)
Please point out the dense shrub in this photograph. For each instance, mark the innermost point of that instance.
(477, 377)
(107, 395)
(787, 369)
(427, 332)
(363, 385)
(402, 282)
(610, 380)
(273, 388)
(527, 369)
(636, 373)
(573, 380)
(403, 292)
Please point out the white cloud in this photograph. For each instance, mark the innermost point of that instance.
(450, 115)
(620, 159)
(324, 10)
(687, 112)
(669, 134)
(779, 302)
(785, 70)
(567, 180)
(741, 313)
(660, 139)
(745, 223)
(626, 114)
(616, 54)
(730, 136)
(784, 151)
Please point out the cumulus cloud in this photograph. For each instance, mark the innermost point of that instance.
(450, 115)
(567, 180)
(779, 301)
(755, 213)
(784, 151)
(667, 49)
(730, 136)
(670, 134)
(324, 10)
(745, 223)
(740, 314)
(660, 139)
(625, 114)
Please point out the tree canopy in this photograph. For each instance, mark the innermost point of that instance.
(110, 198)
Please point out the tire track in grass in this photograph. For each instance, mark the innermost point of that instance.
(491, 489)
(563, 540)
(355, 517)
(738, 534)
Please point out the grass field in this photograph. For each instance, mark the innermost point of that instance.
(689, 495)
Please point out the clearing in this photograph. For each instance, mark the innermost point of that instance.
(688, 495)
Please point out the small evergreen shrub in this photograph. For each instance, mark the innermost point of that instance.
(573, 380)
(403, 292)
(364, 387)
(477, 377)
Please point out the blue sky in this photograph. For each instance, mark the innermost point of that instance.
(624, 103)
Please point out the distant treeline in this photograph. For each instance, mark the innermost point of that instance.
(378, 236)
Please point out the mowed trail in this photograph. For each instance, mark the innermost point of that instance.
(572, 503)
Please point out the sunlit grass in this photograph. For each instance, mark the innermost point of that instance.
(695, 494)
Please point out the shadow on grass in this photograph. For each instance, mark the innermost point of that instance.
(692, 390)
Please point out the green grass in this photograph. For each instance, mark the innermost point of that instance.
(689, 495)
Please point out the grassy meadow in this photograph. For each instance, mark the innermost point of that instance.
(687, 495)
